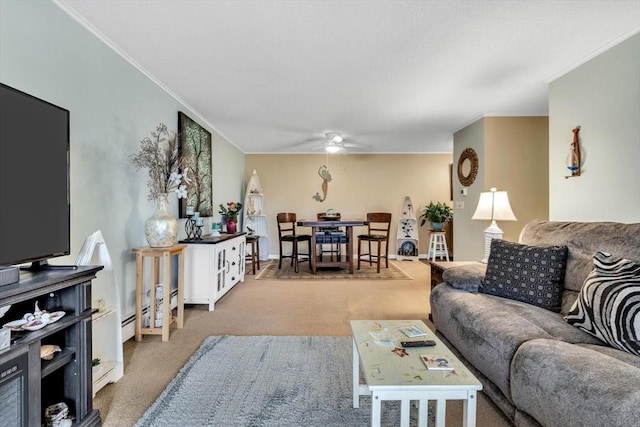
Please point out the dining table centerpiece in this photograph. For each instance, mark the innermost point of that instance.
(167, 174)
(230, 213)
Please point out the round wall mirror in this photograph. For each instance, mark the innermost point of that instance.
(467, 167)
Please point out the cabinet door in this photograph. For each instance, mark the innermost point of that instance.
(198, 277)
(242, 256)
(231, 264)
(221, 269)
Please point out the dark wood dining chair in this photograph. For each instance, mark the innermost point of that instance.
(378, 233)
(287, 233)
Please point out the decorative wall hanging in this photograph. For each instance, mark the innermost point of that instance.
(467, 167)
(195, 147)
(573, 158)
(326, 179)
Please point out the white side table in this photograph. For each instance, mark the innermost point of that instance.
(437, 246)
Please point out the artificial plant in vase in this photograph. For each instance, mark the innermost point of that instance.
(437, 213)
(230, 212)
(159, 154)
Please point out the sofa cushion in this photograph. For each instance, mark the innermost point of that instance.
(465, 277)
(623, 356)
(608, 306)
(487, 330)
(532, 274)
(563, 384)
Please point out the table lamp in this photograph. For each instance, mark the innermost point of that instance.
(493, 205)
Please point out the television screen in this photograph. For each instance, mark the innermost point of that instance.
(34, 179)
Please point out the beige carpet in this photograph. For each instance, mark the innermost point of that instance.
(272, 308)
(366, 272)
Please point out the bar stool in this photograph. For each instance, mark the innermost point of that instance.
(378, 226)
(437, 246)
(254, 255)
(287, 233)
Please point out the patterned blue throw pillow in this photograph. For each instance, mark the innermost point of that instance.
(531, 274)
(608, 306)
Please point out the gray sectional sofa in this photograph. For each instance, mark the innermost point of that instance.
(537, 368)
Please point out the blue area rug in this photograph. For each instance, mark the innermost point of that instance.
(266, 381)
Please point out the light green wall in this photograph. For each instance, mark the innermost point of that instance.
(46, 53)
(603, 97)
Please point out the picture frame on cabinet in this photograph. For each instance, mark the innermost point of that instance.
(194, 144)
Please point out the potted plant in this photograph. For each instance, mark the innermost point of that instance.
(230, 212)
(95, 365)
(437, 213)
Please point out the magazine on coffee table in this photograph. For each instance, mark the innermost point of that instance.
(412, 331)
(436, 362)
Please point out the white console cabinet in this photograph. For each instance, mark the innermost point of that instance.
(213, 266)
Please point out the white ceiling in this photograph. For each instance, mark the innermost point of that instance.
(391, 76)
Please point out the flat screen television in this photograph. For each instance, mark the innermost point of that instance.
(35, 210)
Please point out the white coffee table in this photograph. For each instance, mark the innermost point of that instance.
(391, 377)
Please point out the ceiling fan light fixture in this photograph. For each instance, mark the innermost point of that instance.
(334, 137)
(332, 148)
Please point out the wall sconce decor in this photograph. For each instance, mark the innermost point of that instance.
(573, 158)
(493, 205)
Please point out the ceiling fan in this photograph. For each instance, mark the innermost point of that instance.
(334, 142)
(330, 142)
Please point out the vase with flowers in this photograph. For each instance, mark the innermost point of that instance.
(230, 212)
(159, 154)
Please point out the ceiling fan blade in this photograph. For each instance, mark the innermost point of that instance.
(319, 141)
(357, 146)
(306, 142)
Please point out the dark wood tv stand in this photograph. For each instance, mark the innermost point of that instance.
(67, 377)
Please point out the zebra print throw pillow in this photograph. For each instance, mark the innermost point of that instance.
(608, 306)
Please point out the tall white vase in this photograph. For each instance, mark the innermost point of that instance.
(161, 229)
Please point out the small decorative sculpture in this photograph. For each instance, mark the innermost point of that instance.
(326, 177)
(57, 415)
(573, 158)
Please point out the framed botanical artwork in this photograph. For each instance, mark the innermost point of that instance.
(195, 147)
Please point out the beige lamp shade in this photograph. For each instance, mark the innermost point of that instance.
(493, 205)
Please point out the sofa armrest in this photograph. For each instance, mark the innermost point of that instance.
(465, 277)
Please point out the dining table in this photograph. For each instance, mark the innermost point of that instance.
(317, 226)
